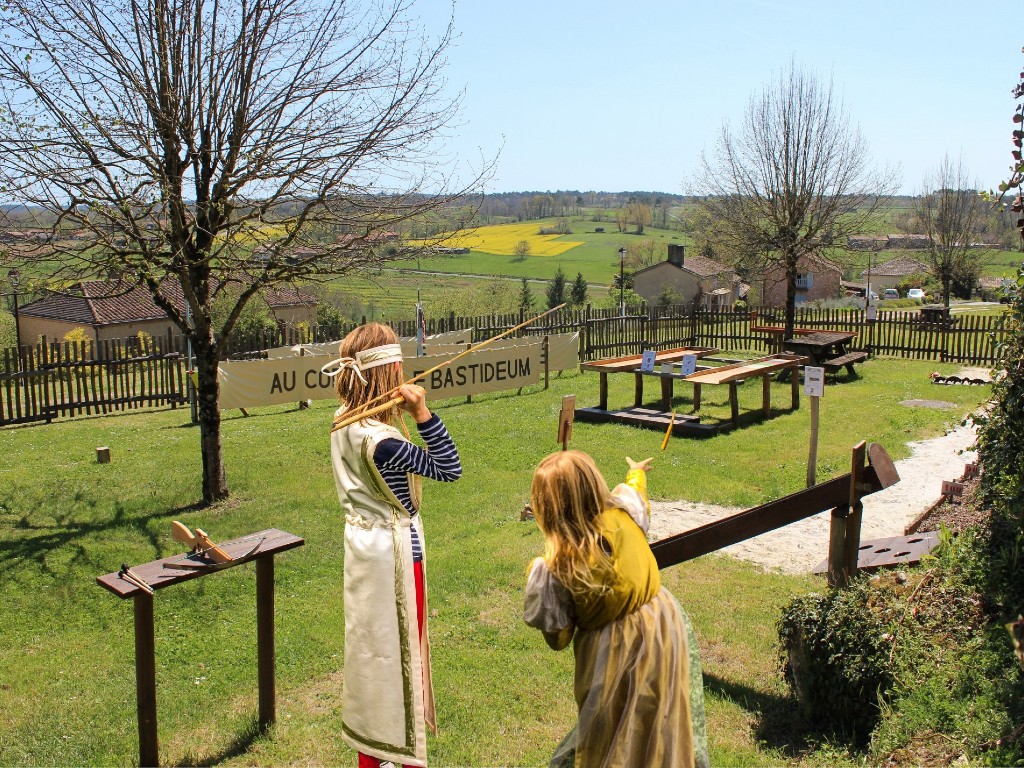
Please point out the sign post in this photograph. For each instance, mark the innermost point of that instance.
(814, 388)
(565, 417)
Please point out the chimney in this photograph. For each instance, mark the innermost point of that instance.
(676, 254)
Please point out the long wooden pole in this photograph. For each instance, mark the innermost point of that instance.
(365, 411)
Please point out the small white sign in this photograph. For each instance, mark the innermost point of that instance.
(688, 364)
(872, 312)
(814, 381)
(666, 368)
(647, 361)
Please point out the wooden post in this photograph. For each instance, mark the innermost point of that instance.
(602, 397)
(145, 679)
(103, 455)
(565, 419)
(837, 572)
(812, 458)
(814, 388)
(265, 639)
(547, 362)
(734, 404)
(852, 546)
(766, 396)
(666, 392)
(638, 389)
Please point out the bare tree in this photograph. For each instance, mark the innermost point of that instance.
(949, 212)
(794, 179)
(201, 147)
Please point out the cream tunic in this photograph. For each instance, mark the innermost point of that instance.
(387, 699)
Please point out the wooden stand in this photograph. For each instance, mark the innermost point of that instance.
(158, 575)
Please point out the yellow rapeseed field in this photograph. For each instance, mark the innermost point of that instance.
(501, 240)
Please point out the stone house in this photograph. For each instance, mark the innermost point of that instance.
(892, 273)
(692, 279)
(116, 309)
(817, 278)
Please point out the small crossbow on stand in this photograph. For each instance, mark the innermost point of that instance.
(205, 554)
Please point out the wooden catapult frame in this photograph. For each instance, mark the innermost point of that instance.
(842, 495)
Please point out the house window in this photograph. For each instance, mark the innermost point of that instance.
(804, 280)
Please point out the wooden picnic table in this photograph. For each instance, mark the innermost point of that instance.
(631, 364)
(827, 349)
(162, 573)
(735, 374)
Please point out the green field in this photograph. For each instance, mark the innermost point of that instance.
(67, 694)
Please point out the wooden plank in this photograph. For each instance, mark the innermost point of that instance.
(883, 465)
(761, 366)
(158, 576)
(891, 551)
(629, 362)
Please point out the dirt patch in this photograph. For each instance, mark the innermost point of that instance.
(928, 404)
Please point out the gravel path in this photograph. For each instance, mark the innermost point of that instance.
(799, 547)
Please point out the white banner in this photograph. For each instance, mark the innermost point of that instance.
(487, 370)
(252, 383)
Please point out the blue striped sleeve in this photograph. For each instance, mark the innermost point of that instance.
(439, 461)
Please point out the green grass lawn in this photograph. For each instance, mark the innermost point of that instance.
(67, 692)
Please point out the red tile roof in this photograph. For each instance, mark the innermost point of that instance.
(113, 302)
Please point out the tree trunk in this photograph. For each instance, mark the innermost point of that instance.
(790, 299)
(215, 486)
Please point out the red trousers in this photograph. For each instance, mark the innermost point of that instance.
(366, 761)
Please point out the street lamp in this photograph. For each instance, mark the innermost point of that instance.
(622, 262)
(15, 278)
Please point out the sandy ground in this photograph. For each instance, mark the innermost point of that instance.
(799, 547)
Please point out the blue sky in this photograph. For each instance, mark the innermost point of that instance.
(612, 96)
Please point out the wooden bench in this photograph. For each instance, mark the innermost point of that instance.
(833, 365)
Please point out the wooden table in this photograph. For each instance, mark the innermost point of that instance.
(631, 364)
(735, 374)
(686, 424)
(158, 576)
(827, 349)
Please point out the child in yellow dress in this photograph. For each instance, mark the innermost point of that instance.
(638, 682)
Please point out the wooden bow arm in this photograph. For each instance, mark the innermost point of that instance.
(365, 414)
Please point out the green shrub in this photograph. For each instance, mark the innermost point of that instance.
(834, 650)
(1001, 439)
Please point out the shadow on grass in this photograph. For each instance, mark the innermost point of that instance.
(40, 540)
(241, 744)
(780, 723)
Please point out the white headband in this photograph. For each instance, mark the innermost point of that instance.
(367, 358)
(382, 355)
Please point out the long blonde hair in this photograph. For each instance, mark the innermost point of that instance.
(380, 379)
(567, 496)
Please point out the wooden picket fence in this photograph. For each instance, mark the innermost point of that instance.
(53, 380)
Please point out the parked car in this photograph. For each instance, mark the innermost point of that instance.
(915, 293)
(890, 293)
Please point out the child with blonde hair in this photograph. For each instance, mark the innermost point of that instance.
(387, 699)
(638, 683)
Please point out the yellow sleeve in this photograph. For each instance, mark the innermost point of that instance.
(637, 480)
